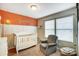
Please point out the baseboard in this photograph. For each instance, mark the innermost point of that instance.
(12, 50)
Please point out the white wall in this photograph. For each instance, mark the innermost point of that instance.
(8, 29)
(41, 34)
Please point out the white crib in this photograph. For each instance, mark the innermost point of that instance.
(23, 40)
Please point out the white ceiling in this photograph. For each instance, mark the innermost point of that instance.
(44, 9)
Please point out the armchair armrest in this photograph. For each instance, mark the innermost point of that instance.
(52, 44)
(44, 41)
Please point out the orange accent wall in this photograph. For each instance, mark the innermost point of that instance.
(17, 19)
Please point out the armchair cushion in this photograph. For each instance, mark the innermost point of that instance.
(44, 44)
(51, 44)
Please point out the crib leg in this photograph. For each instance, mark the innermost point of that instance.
(17, 51)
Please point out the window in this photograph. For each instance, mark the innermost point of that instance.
(64, 28)
(49, 27)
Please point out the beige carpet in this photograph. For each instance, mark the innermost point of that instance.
(33, 51)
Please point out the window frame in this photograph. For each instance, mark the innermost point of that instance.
(64, 29)
(49, 29)
(56, 24)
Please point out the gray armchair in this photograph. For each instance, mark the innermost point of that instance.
(49, 46)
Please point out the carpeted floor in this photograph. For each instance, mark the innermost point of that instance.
(33, 51)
